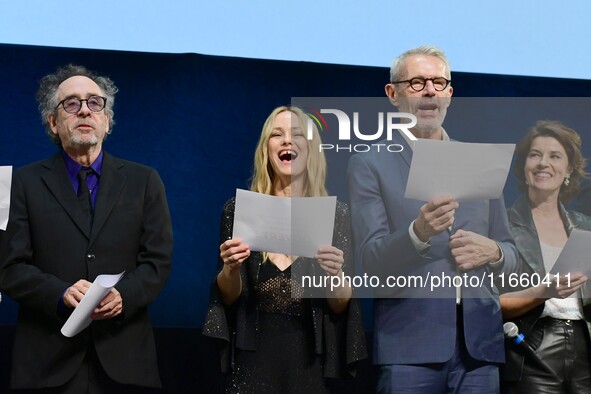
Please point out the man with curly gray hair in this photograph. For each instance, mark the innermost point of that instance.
(47, 95)
(74, 216)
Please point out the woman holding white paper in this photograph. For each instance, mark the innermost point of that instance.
(278, 336)
(554, 317)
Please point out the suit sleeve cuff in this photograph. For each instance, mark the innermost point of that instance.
(419, 245)
(62, 310)
(497, 265)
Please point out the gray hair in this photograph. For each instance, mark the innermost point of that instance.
(47, 95)
(397, 67)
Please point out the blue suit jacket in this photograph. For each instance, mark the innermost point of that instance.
(414, 325)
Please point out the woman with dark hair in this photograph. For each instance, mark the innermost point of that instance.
(555, 318)
(275, 336)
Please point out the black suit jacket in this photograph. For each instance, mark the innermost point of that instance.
(48, 246)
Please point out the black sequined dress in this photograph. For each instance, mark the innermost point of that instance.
(284, 360)
(278, 337)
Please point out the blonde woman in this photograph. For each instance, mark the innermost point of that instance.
(274, 338)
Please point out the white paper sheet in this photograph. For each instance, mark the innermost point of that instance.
(80, 318)
(466, 171)
(293, 225)
(576, 254)
(5, 182)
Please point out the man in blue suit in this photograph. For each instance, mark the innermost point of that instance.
(448, 340)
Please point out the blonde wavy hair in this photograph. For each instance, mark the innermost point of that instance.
(263, 175)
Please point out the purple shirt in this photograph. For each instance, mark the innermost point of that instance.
(93, 178)
(93, 182)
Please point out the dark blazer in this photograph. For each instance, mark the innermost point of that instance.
(48, 246)
(414, 325)
(530, 261)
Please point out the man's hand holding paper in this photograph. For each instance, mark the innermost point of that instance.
(92, 301)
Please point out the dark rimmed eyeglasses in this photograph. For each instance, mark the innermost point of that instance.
(418, 84)
(72, 104)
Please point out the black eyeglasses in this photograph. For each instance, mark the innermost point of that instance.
(418, 84)
(72, 104)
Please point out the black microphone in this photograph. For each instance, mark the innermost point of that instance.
(512, 332)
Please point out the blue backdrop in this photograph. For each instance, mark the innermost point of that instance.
(197, 118)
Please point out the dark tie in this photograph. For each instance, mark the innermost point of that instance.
(84, 192)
